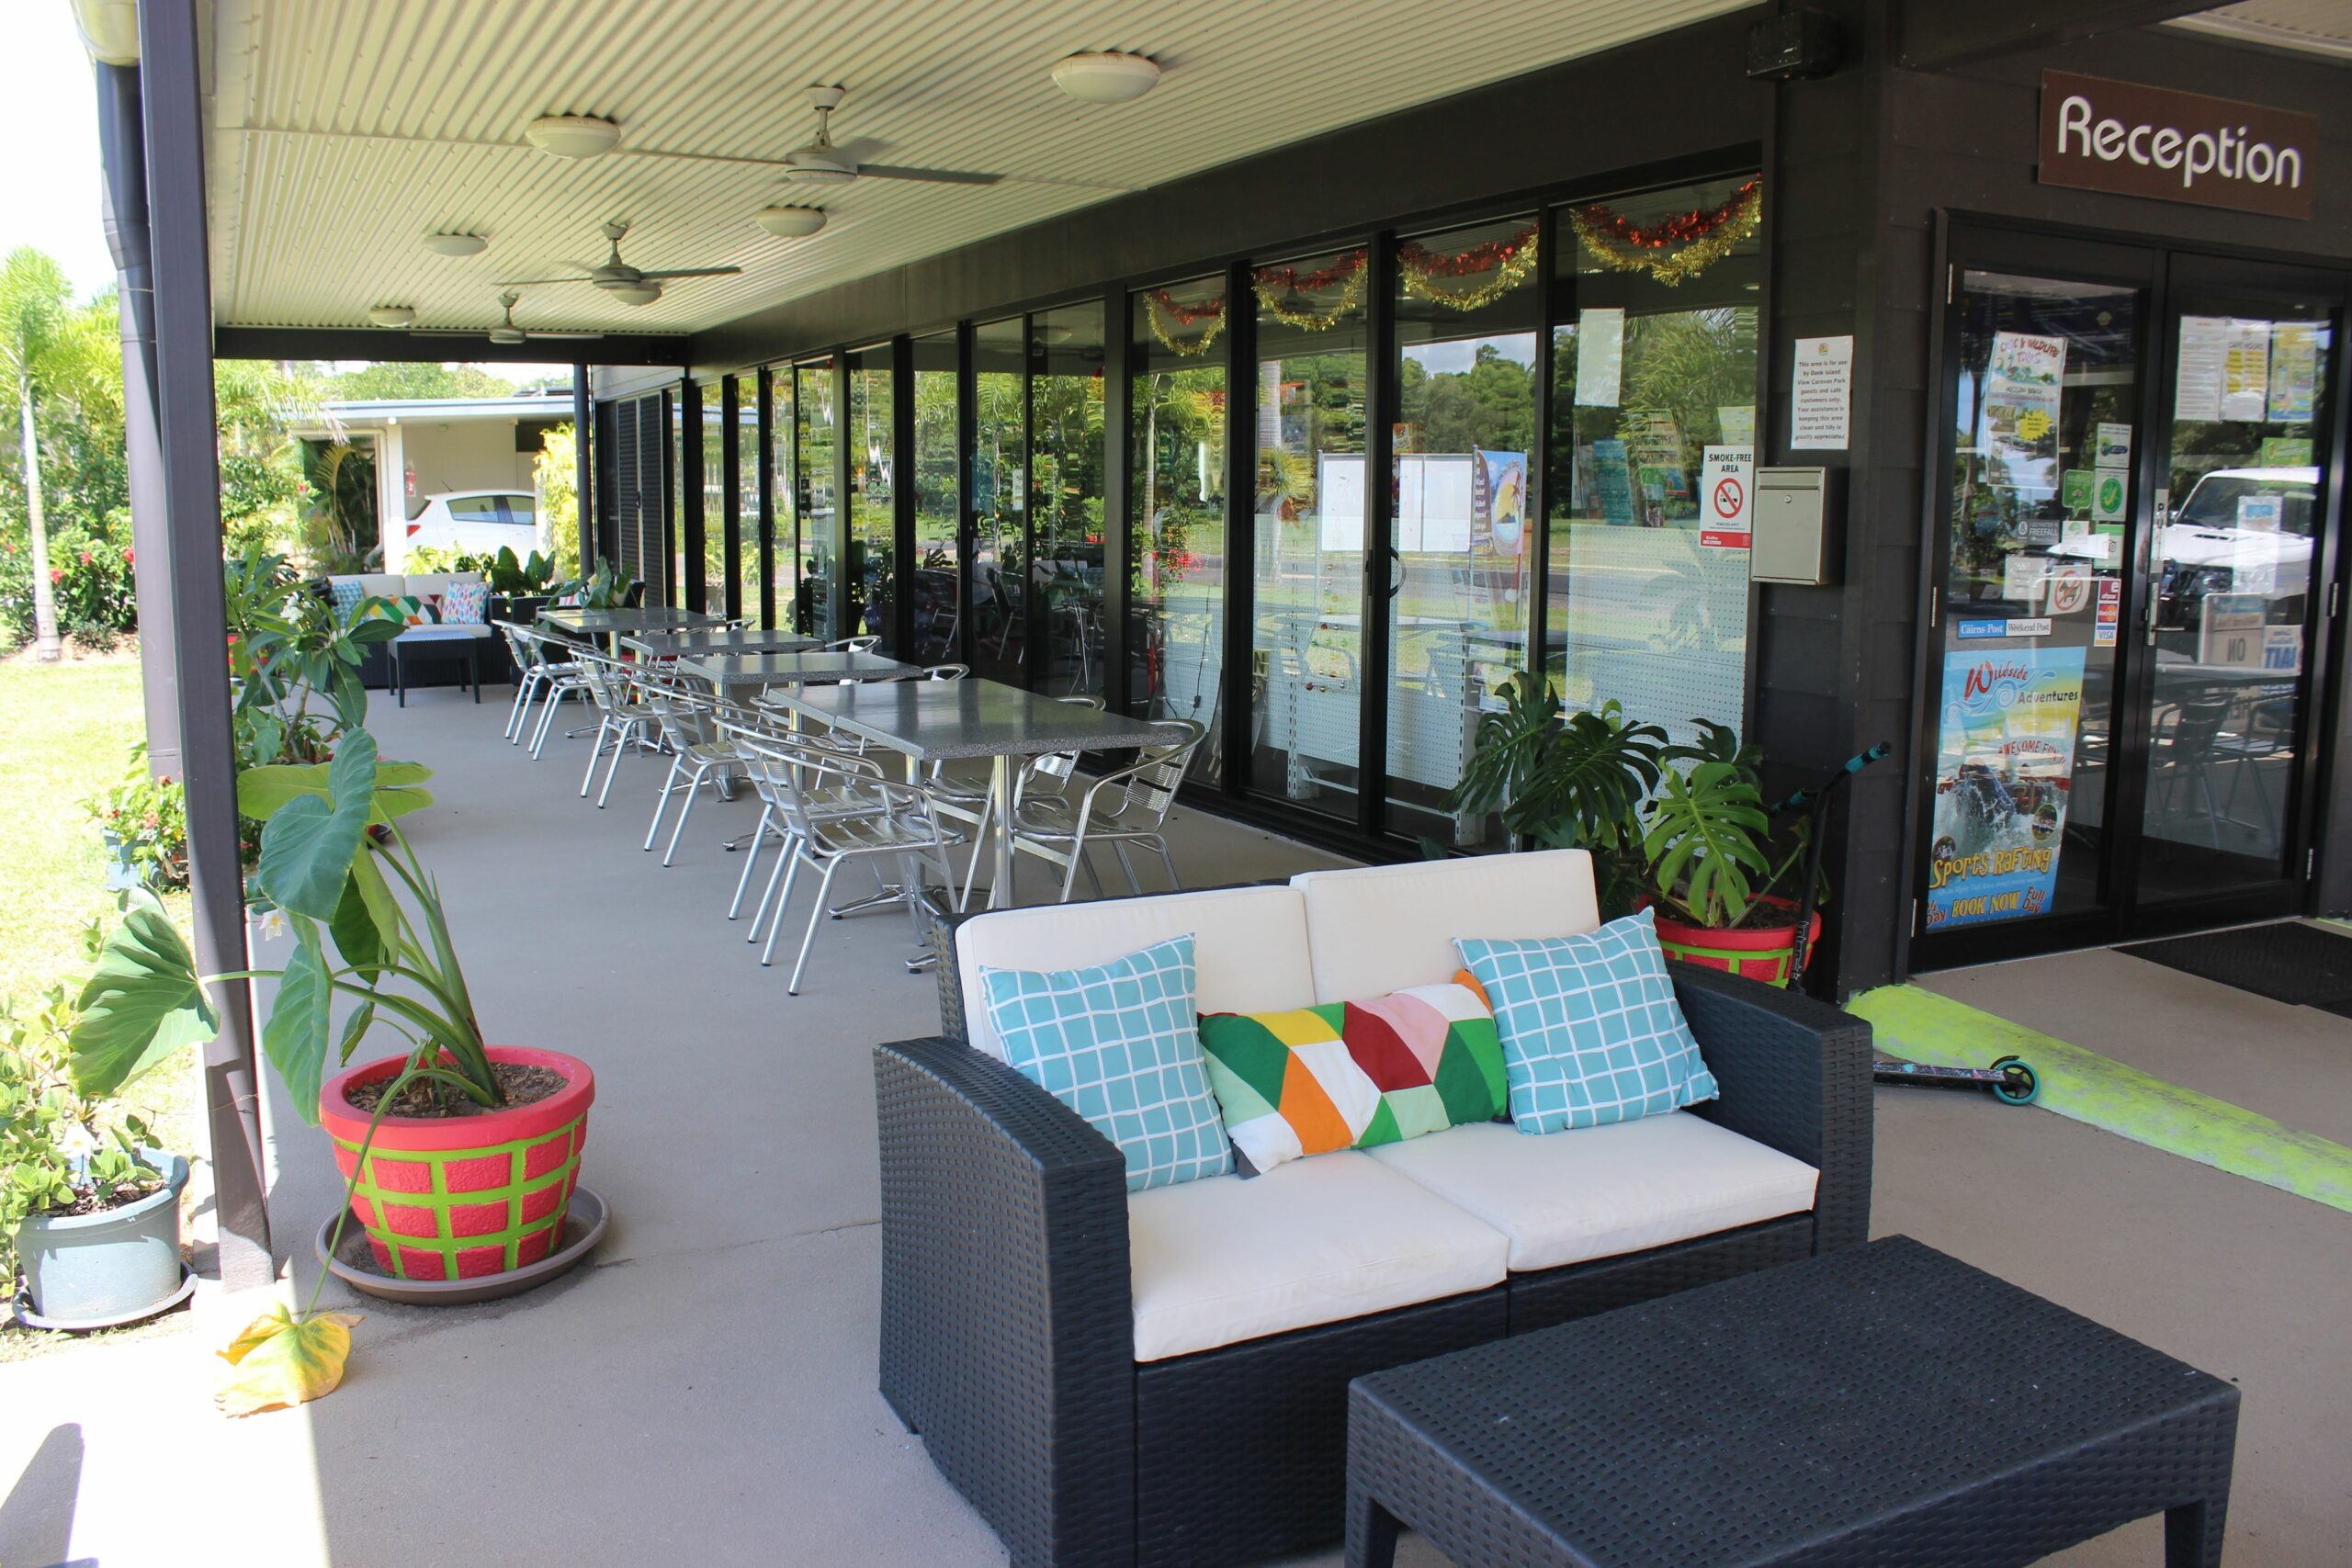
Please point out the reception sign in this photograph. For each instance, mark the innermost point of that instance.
(2005, 770)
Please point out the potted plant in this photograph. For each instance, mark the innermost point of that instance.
(1678, 828)
(461, 1157)
(1720, 877)
(520, 588)
(89, 1207)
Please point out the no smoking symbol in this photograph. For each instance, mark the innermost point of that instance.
(1728, 497)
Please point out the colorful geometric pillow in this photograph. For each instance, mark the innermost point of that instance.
(348, 592)
(419, 610)
(1591, 1033)
(1118, 1044)
(465, 604)
(1351, 1075)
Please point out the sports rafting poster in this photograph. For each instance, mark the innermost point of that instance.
(2005, 767)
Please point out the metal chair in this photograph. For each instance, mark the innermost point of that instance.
(554, 674)
(688, 720)
(971, 800)
(833, 809)
(622, 721)
(864, 644)
(1126, 805)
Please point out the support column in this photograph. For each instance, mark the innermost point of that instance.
(189, 485)
(581, 440)
(123, 159)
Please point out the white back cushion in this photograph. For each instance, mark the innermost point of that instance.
(1381, 928)
(1249, 944)
(426, 583)
(379, 584)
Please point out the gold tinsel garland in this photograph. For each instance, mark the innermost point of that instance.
(1159, 308)
(1698, 240)
(1275, 285)
(1509, 260)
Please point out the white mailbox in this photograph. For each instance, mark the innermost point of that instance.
(1792, 526)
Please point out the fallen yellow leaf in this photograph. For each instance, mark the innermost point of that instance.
(281, 1362)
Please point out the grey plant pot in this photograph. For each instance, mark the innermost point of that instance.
(83, 1268)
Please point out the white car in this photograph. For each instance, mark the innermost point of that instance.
(476, 521)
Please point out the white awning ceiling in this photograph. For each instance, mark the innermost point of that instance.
(2306, 27)
(345, 130)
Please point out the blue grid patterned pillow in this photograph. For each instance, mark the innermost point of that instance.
(1591, 1031)
(1120, 1045)
(348, 592)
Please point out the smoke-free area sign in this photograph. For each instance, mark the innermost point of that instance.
(1726, 480)
(2172, 146)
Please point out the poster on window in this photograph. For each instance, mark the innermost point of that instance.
(2005, 764)
(1498, 501)
(2021, 394)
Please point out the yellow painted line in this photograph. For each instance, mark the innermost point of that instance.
(1920, 1026)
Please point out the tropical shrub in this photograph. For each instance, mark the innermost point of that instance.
(146, 818)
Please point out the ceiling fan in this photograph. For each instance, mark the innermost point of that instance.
(401, 318)
(823, 162)
(631, 286)
(505, 332)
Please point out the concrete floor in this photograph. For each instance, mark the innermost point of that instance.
(704, 1392)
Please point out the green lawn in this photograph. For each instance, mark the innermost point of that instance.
(65, 733)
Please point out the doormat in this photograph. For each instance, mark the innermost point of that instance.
(2287, 961)
(1920, 1026)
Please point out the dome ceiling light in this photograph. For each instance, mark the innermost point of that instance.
(1106, 77)
(572, 135)
(790, 222)
(392, 316)
(456, 244)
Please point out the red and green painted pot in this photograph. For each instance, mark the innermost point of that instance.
(460, 1197)
(1753, 953)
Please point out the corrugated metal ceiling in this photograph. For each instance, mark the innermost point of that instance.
(344, 130)
(2307, 27)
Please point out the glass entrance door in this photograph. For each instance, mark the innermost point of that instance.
(2233, 596)
(2127, 598)
(2044, 378)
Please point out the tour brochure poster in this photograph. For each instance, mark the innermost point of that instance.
(2004, 763)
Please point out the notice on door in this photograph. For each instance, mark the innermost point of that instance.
(1726, 494)
(1822, 394)
(2005, 760)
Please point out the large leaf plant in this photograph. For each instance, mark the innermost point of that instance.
(369, 928)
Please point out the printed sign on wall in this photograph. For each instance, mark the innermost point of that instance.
(2099, 134)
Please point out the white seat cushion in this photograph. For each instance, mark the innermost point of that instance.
(1600, 1191)
(1249, 944)
(1382, 928)
(1224, 1259)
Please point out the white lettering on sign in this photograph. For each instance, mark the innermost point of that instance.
(2228, 153)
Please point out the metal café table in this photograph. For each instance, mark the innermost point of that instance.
(611, 625)
(726, 669)
(931, 721)
(718, 640)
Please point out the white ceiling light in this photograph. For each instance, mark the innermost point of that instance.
(392, 316)
(456, 244)
(1106, 78)
(572, 135)
(792, 222)
(633, 293)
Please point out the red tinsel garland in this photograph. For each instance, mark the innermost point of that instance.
(1291, 280)
(1679, 230)
(1477, 259)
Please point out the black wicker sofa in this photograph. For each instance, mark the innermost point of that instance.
(1010, 1333)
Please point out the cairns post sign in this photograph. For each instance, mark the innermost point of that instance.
(2152, 142)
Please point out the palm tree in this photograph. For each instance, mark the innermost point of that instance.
(35, 302)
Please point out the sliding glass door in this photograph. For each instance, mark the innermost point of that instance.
(1176, 549)
(1314, 340)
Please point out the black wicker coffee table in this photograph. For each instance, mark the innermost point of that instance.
(1878, 1405)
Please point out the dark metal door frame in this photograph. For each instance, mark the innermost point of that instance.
(2162, 277)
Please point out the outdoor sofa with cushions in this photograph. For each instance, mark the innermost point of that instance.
(375, 666)
(1161, 1377)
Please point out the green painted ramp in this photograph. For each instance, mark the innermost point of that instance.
(1921, 1026)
